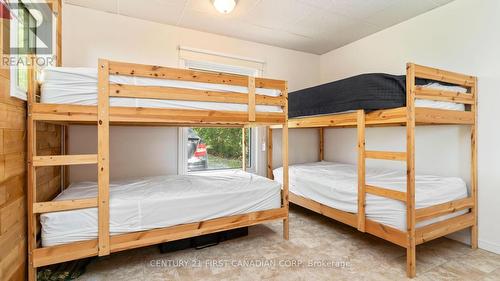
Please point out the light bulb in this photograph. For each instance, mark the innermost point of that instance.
(224, 6)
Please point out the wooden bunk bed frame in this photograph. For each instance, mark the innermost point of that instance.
(103, 116)
(408, 116)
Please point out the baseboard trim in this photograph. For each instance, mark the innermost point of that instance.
(489, 246)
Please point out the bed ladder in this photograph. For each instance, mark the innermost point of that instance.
(35, 161)
(408, 157)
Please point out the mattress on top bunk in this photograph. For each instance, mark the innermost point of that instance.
(366, 91)
(162, 201)
(335, 185)
(78, 85)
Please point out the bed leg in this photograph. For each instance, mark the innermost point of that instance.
(411, 259)
(286, 229)
(473, 237)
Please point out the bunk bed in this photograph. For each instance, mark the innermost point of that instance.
(379, 201)
(87, 219)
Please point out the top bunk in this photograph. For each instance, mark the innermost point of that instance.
(137, 94)
(432, 96)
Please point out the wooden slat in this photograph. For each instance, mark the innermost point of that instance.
(146, 238)
(385, 192)
(442, 228)
(383, 231)
(384, 117)
(103, 156)
(78, 250)
(271, 84)
(423, 214)
(172, 93)
(84, 114)
(62, 160)
(441, 95)
(64, 112)
(344, 217)
(443, 75)
(361, 170)
(386, 155)
(386, 232)
(57, 206)
(441, 116)
(141, 70)
(251, 99)
(150, 71)
(66, 252)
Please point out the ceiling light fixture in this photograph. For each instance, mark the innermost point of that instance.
(224, 6)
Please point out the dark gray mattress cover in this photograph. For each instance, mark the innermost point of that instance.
(366, 91)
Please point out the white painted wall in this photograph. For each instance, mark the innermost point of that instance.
(462, 36)
(89, 35)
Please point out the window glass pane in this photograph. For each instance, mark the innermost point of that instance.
(25, 40)
(216, 148)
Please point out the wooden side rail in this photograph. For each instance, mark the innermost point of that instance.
(386, 155)
(152, 71)
(442, 228)
(158, 92)
(423, 214)
(443, 76)
(63, 160)
(184, 94)
(57, 206)
(442, 95)
(77, 250)
(385, 192)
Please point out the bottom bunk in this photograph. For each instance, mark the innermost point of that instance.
(336, 185)
(158, 209)
(331, 189)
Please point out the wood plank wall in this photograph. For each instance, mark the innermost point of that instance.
(13, 244)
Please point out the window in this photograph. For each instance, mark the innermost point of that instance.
(208, 149)
(217, 149)
(22, 39)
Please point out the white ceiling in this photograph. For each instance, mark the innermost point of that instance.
(314, 26)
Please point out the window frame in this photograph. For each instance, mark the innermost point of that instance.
(15, 89)
(183, 131)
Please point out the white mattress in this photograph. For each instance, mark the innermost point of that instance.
(78, 85)
(335, 185)
(162, 201)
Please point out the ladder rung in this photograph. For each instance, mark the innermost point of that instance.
(385, 192)
(57, 206)
(386, 155)
(62, 160)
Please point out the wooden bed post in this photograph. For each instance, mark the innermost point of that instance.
(321, 144)
(473, 179)
(284, 147)
(103, 156)
(410, 170)
(361, 170)
(243, 150)
(270, 153)
(31, 192)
